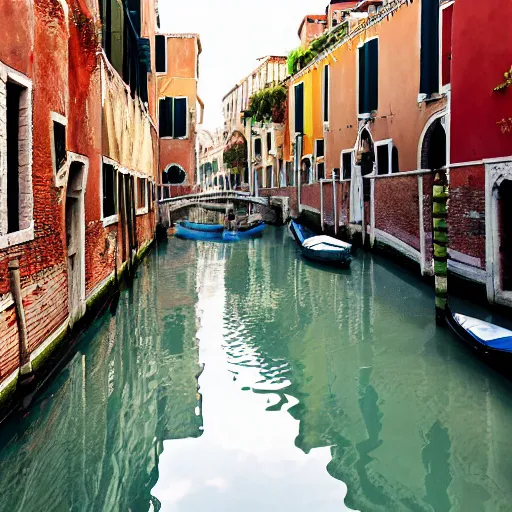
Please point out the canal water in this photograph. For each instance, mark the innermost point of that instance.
(242, 378)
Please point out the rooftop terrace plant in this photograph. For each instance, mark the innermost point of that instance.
(269, 105)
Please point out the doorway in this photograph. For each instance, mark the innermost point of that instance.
(433, 151)
(505, 234)
(75, 241)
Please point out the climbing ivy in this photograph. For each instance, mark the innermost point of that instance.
(235, 157)
(301, 57)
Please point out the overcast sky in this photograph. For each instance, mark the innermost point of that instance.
(234, 33)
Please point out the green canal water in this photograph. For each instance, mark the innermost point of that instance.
(241, 378)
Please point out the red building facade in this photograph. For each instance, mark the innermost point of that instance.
(78, 164)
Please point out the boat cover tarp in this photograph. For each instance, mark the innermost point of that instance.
(487, 334)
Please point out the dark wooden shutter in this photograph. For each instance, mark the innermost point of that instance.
(347, 166)
(326, 94)
(180, 117)
(362, 81)
(160, 53)
(165, 118)
(319, 148)
(429, 81)
(372, 70)
(299, 108)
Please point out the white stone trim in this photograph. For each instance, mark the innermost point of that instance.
(26, 199)
(8, 380)
(6, 302)
(309, 209)
(467, 271)
(395, 243)
(495, 174)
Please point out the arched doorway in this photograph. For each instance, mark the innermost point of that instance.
(235, 159)
(433, 149)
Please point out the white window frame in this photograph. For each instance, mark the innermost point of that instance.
(57, 118)
(111, 219)
(26, 213)
(187, 118)
(352, 159)
(324, 122)
(389, 144)
(161, 73)
(443, 89)
(144, 209)
(365, 115)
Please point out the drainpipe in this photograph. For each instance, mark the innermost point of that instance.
(440, 195)
(15, 282)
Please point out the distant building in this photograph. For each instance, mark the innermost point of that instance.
(263, 141)
(180, 109)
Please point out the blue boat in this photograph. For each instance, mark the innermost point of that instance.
(202, 227)
(243, 232)
(490, 341)
(325, 249)
(182, 231)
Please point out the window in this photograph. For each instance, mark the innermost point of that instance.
(326, 93)
(319, 158)
(16, 199)
(290, 174)
(150, 192)
(383, 157)
(59, 144)
(161, 53)
(299, 108)
(429, 57)
(173, 117)
(174, 175)
(395, 167)
(269, 141)
(446, 51)
(346, 164)
(369, 76)
(142, 187)
(268, 176)
(109, 190)
(257, 148)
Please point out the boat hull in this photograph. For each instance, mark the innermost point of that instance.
(338, 257)
(202, 227)
(502, 359)
(194, 234)
(235, 236)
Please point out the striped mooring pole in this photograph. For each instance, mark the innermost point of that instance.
(440, 195)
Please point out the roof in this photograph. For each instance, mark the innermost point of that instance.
(311, 18)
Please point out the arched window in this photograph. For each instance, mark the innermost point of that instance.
(174, 174)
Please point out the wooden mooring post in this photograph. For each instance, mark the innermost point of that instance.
(440, 196)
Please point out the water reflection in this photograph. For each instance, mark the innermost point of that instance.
(93, 440)
(319, 390)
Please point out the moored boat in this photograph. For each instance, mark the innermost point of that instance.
(202, 227)
(243, 232)
(325, 249)
(490, 341)
(183, 231)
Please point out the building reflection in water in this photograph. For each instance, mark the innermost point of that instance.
(318, 388)
(93, 440)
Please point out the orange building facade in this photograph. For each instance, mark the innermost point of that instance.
(179, 106)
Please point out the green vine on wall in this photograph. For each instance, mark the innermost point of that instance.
(269, 105)
(301, 57)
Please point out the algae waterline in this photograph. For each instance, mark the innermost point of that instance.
(320, 390)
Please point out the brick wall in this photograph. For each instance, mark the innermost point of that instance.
(9, 351)
(397, 208)
(310, 195)
(290, 192)
(466, 215)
